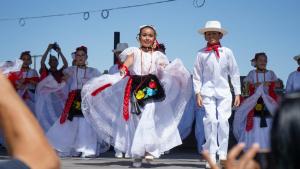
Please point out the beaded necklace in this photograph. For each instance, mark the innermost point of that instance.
(143, 64)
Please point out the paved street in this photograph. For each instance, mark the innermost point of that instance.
(175, 160)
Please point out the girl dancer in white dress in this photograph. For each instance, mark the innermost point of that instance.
(71, 134)
(138, 109)
(253, 119)
(49, 104)
(29, 78)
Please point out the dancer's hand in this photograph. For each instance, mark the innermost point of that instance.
(237, 101)
(127, 63)
(199, 100)
(245, 162)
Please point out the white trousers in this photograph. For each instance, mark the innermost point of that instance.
(216, 125)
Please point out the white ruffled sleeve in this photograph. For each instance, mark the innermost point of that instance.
(273, 76)
(128, 51)
(69, 71)
(8, 66)
(249, 77)
(162, 61)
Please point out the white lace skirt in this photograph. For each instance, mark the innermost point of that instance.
(76, 136)
(50, 101)
(257, 135)
(155, 130)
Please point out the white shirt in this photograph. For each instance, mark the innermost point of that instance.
(144, 63)
(79, 76)
(293, 82)
(210, 76)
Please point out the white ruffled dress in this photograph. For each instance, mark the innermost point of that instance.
(257, 134)
(71, 137)
(155, 130)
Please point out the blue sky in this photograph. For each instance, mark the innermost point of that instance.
(253, 26)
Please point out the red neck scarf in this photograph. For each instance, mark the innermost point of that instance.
(213, 47)
(298, 69)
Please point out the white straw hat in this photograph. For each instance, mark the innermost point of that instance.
(120, 47)
(212, 26)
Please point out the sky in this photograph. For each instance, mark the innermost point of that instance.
(253, 26)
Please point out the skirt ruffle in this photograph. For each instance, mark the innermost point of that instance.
(155, 130)
(256, 134)
(74, 137)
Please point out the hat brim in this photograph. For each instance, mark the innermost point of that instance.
(116, 50)
(203, 30)
(296, 58)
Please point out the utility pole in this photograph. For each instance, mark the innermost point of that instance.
(34, 60)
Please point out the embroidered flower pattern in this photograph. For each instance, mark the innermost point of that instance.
(148, 91)
(140, 94)
(77, 105)
(259, 107)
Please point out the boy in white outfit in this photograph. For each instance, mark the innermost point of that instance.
(213, 65)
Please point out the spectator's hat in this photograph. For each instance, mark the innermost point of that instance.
(120, 47)
(296, 58)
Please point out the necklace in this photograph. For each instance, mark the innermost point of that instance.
(147, 49)
(77, 83)
(143, 80)
(264, 72)
(143, 64)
